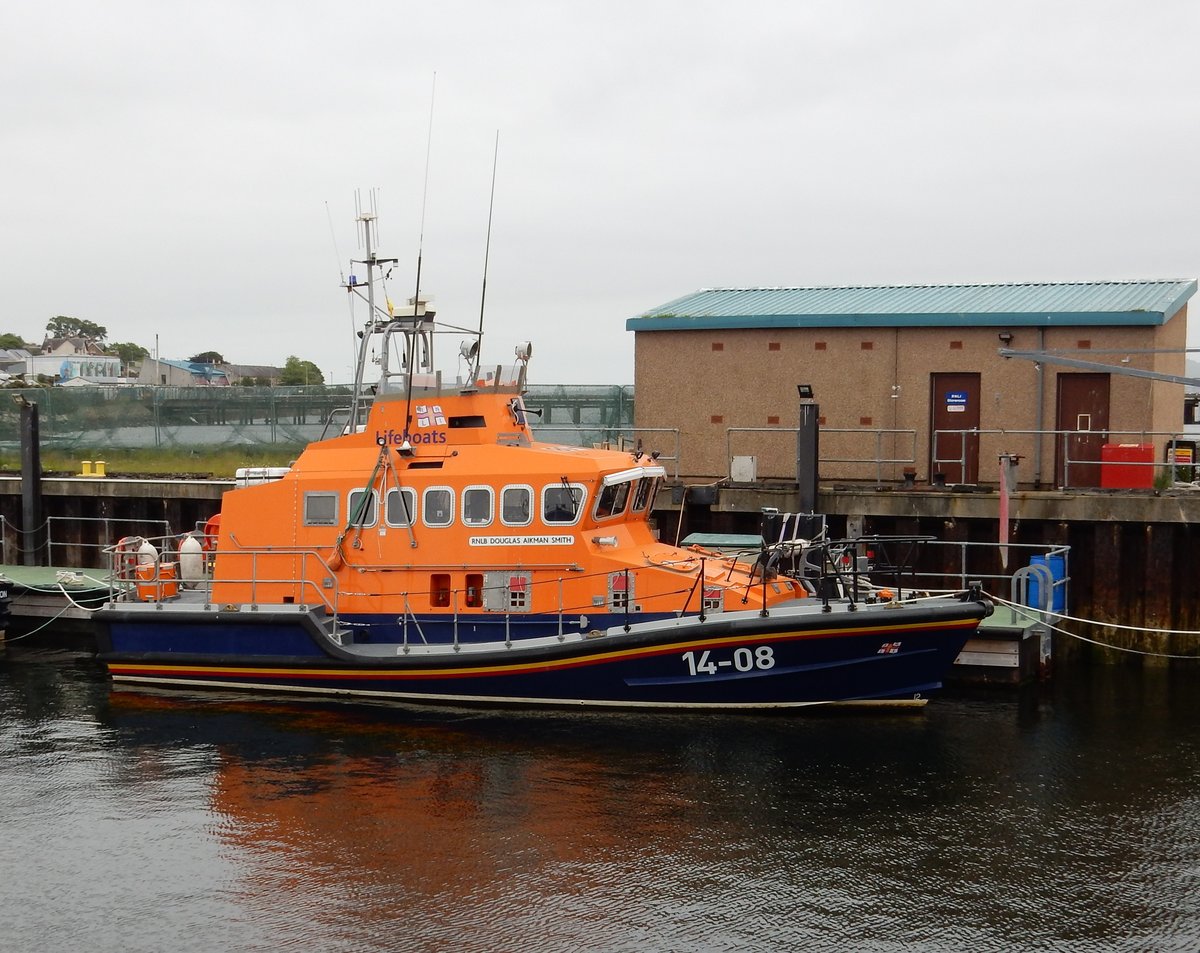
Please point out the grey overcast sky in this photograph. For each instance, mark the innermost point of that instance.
(167, 166)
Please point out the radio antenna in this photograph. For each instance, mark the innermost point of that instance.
(406, 447)
(487, 247)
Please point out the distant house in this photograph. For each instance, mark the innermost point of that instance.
(75, 359)
(182, 373)
(254, 372)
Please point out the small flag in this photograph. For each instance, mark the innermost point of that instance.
(889, 648)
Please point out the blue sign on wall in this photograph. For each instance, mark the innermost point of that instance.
(956, 401)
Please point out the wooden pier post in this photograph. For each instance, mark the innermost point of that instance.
(32, 513)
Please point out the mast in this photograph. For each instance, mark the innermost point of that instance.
(367, 221)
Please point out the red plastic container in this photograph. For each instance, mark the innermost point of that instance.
(1116, 471)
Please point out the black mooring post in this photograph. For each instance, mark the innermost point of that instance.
(32, 519)
(808, 435)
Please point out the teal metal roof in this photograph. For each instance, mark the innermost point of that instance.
(1046, 304)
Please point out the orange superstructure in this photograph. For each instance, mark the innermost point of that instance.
(470, 516)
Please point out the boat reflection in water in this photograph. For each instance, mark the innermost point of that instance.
(982, 823)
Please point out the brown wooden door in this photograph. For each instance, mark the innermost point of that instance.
(1081, 418)
(954, 406)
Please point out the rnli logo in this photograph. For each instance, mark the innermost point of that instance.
(427, 416)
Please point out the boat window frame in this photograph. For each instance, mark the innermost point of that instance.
(580, 507)
(621, 489)
(450, 509)
(491, 498)
(529, 496)
(372, 510)
(648, 497)
(314, 495)
(397, 491)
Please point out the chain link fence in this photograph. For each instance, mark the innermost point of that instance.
(112, 417)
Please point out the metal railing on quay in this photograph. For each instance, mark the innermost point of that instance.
(608, 434)
(1180, 463)
(877, 435)
(71, 531)
(977, 561)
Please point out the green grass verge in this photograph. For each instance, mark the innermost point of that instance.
(216, 462)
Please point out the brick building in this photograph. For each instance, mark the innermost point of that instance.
(912, 379)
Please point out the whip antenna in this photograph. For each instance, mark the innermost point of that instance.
(406, 447)
(487, 247)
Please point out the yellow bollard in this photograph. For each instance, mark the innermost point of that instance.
(100, 468)
(87, 468)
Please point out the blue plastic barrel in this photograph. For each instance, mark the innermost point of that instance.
(1057, 564)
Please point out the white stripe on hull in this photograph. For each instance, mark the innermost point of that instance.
(513, 699)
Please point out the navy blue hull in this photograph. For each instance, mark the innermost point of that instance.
(781, 660)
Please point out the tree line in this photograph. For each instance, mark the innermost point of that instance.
(295, 371)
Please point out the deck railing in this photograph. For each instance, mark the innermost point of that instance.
(136, 575)
(862, 569)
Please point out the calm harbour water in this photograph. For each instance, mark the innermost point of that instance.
(1065, 818)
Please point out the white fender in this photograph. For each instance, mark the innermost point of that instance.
(147, 555)
(191, 561)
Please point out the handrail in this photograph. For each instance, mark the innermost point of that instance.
(107, 523)
(1063, 440)
(828, 568)
(123, 566)
(879, 433)
(672, 457)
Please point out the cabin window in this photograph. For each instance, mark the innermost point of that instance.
(477, 506)
(362, 508)
(399, 507)
(439, 590)
(611, 500)
(438, 506)
(562, 504)
(516, 506)
(320, 509)
(644, 494)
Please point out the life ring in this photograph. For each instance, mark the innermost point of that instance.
(125, 557)
(212, 530)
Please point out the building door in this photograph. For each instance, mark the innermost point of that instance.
(1081, 419)
(954, 451)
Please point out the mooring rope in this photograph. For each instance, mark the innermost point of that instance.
(1034, 616)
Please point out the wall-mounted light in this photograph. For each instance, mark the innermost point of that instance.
(805, 391)
(1005, 337)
